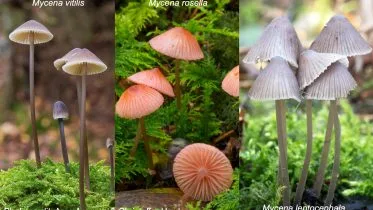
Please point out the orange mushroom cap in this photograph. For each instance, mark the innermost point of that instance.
(177, 43)
(231, 82)
(138, 101)
(155, 79)
(202, 171)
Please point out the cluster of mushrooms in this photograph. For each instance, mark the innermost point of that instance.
(77, 62)
(321, 74)
(200, 170)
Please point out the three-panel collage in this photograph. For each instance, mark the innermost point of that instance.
(186, 104)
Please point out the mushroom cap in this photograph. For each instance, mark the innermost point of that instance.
(312, 64)
(275, 82)
(22, 33)
(202, 171)
(279, 38)
(138, 101)
(177, 43)
(340, 37)
(155, 79)
(109, 143)
(64, 59)
(76, 63)
(336, 82)
(60, 111)
(231, 82)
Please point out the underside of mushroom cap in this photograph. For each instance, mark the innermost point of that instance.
(340, 37)
(202, 171)
(279, 38)
(336, 82)
(155, 79)
(177, 43)
(312, 64)
(138, 101)
(275, 82)
(231, 82)
(58, 63)
(22, 33)
(75, 65)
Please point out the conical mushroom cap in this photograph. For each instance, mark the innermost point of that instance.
(138, 101)
(155, 79)
(202, 171)
(60, 110)
(340, 37)
(312, 64)
(275, 82)
(22, 34)
(84, 57)
(278, 39)
(64, 59)
(231, 82)
(177, 43)
(336, 82)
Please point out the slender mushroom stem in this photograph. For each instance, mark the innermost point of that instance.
(307, 159)
(146, 144)
(177, 84)
(111, 153)
(82, 135)
(32, 101)
(137, 139)
(325, 150)
(335, 171)
(281, 133)
(63, 145)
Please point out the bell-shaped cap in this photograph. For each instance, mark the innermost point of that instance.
(202, 171)
(84, 60)
(231, 82)
(279, 38)
(64, 59)
(138, 101)
(336, 82)
(109, 143)
(60, 111)
(275, 82)
(155, 79)
(22, 34)
(312, 64)
(340, 37)
(177, 43)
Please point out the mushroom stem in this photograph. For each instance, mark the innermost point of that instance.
(325, 150)
(32, 101)
(86, 162)
(63, 146)
(177, 84)
(111, 153)
(281, 132)
(146, 144)
(336, 164)
(137, 140)
(307, 159)
(82, 135)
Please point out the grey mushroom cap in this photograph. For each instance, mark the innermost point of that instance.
(339, 36)
(109, 143)
(279, 38)
(275, 82)
(60, 111)
(22, 33)
(336, 82)
(58, 63)
(84, 57)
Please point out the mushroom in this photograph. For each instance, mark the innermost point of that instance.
(58, 63)
(31, 33)
(278, 39)
(180, 44)
(335, 83)
(83, 63)
(136, 102)
(110, 145)
(311, 65)
(278, 82)
(202, 171)
(231, 82)
(339, 37)
(61, 113)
